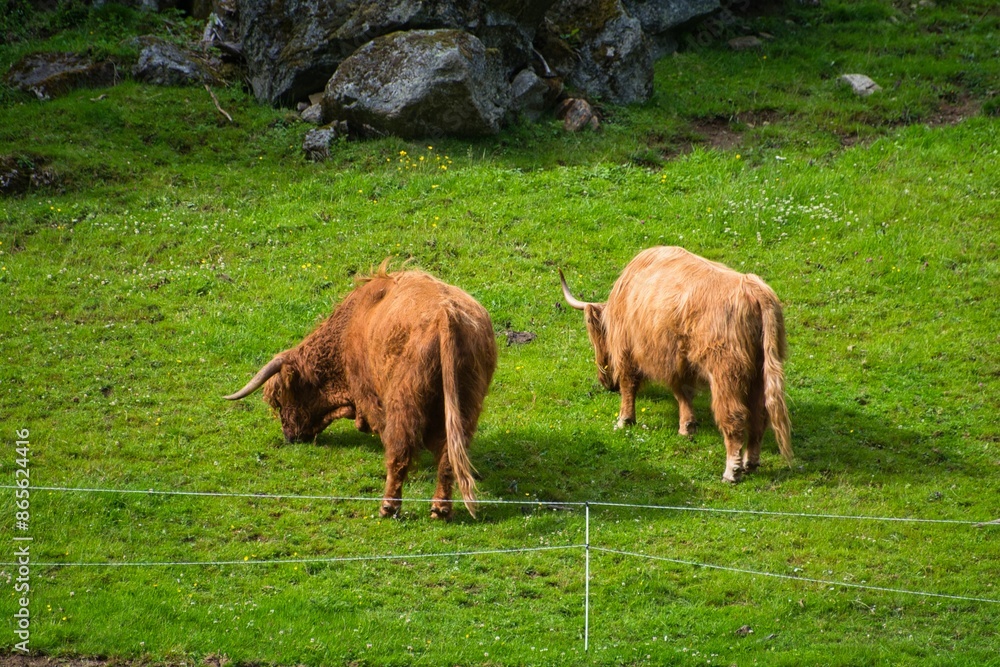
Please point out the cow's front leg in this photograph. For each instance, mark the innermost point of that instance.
(684, 393)
(397, 465)
(734, 463)
(361, 423)
(628, 385)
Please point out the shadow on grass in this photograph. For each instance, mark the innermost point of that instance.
(343, 435)
(833, 440)
(547, 472)
(836, 442)
(585, 465)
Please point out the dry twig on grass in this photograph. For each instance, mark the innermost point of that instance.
(217, 105)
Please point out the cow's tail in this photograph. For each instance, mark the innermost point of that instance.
(774, 373)
(457, 438)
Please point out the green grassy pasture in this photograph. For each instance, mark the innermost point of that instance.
(180, 252)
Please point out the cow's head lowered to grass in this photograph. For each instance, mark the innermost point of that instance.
(593, 314)
(304, 404)
(404, 355)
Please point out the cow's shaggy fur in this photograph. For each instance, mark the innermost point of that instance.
(404, 355)
(680, 319)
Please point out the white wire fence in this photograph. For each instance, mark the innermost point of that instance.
(586, 547)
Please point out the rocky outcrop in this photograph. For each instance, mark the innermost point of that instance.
(600, 49)
(49, 75)
(522, 53)
(420, 83)
(429, 67)
(293, 47)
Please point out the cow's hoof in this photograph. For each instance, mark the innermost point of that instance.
(733, 476)
(443, 513)
(751, 466)
(622, 423)
(389, 511)
(688, 428)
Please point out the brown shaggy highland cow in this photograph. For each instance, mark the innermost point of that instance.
(680, 319)
(404, 355)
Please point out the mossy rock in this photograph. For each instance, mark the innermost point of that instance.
(420, 83)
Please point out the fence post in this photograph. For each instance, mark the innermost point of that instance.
(586, 594)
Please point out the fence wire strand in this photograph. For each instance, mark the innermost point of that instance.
(331, 559)
(487, 501)
(792, 577)
(799, 515)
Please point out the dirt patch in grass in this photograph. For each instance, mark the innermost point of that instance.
(953, 113)
(716, 132)
(758, 117)
(45, 661)
(726, 132)
(946, 114)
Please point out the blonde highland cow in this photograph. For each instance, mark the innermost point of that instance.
(680, 319)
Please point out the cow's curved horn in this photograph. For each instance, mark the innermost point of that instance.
(263, 374)
(570, 299)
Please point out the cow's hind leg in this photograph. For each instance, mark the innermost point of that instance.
(732, 417)
(436, 440)
(441, 507)
(757, 424)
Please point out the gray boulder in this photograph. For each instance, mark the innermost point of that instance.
(291, 47)
(313, 114)
(862, 85)
(420, 83)
(316, 144)
(49, 75)
(163, 63)
(745, 43)
(605, 55)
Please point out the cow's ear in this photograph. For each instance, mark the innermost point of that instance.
(298, 370)
(594, 312)
(291, 368)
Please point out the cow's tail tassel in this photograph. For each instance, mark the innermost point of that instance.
(457, 438)
(774, 375)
